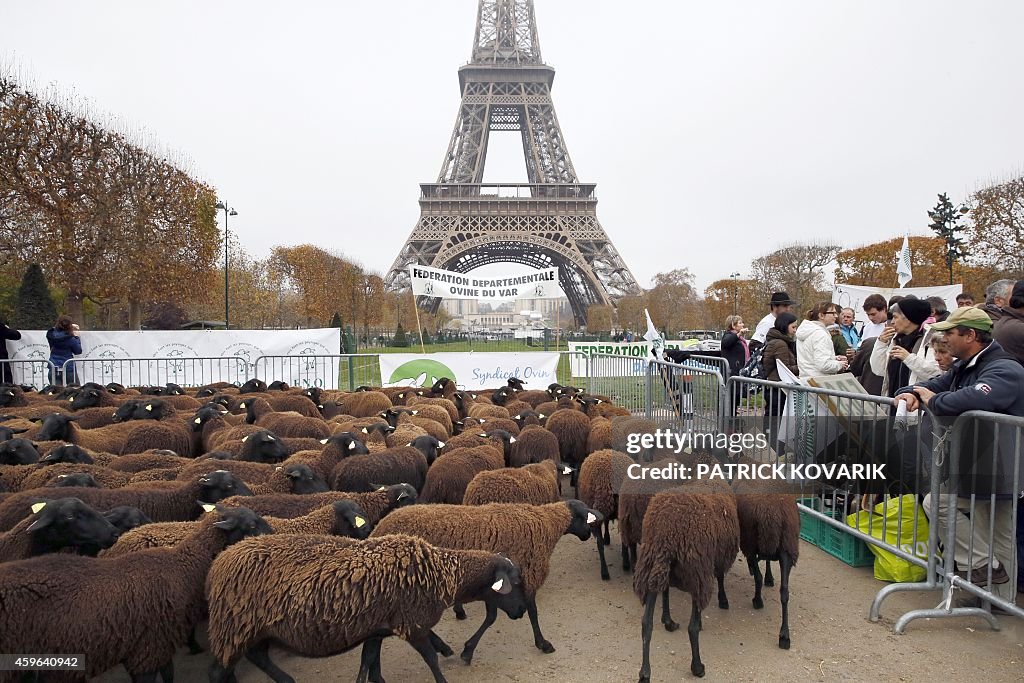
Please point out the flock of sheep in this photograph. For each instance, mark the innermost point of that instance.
(319, 521)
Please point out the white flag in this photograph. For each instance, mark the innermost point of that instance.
(903, 273)
(654, 337)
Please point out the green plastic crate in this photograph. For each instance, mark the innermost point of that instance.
(835, 542)
(809, 525)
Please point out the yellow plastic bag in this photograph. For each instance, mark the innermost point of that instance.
(893, 521)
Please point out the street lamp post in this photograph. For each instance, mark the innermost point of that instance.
(735, 294)
(228, 211)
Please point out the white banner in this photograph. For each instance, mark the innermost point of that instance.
(186, 357)
(852, 296)
(634, 357)
(469, 370)
(540, 284)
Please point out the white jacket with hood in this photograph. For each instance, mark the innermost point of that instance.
(921, 361)
(815, 353)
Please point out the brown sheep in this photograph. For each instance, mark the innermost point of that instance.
(55, 525)
(571, 428)
(141, 625)
(479, 410)
(535, 444)
(284, 424)
(450, 474)
(437, 413)
(529, 417)
(105, 477)
(623, 427)
(600, 436)
(281, 403)
(534, 397)
(151, 459)
(387, 585)
(601, 478)
(404, 464)
(526, 534)
(534, 484)
(364, 403)
(284, 505)
(508, 425)
(691, 537)
(448, 405)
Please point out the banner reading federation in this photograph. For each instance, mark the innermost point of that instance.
(540, 284)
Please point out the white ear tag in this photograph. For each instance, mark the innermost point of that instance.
(245, 437)
(440, 444)
(591, 518)
(352, 446)
(364, 431)
(209, 508)
(323, 441)
(360, 522)
(542, 416)
(242, 404)
(498, 585)
(270, 438)
(566, 470)
(278, 469)
(197, 420)
(150, 407)
(511, 439)
(415, 412)
(403, 495)
(37, 507)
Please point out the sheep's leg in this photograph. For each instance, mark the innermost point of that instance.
(625, 558)
(785, 565)
(369, 661)
(470, 647)
(646, 629)
(421, 642)
(538, 638)
(694, 628)
(260, 656)
(769, 580)
(167, 672)
(440, 647)
(755, 571)
(222, 674)
(460, 612)
(666, 613)
(607, 532)
(723, 599)
(600, 553)
(194, 647)
(575, 484)
(632, 554)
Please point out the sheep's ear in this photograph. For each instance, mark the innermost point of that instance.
(378, 487)
(501, 587)
(209, 508)
(37, 507)
(324, 441)
(359, 522)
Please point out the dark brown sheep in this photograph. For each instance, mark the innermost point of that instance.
(397, 584)
(55, 525)
(284, 424)
(571, 428)
(534, 444)
(450, 474)
(526, 534)
(139, 625)
(601, 478)
(376, 504)
(280, 403)
(690, 539)
(600, 436)
(534, 484)
(44, 476)
(505, 424)
(404, 464)
(364, 403)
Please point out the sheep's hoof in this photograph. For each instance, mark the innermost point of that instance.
(723, 604)
(769, 580)
(445, 651)
(460, 613)
(697, 670)
(758, 603)
(605, 576)
(671, 626)
(784, 642)
(467, 656)
(645, 679)
(545, 647)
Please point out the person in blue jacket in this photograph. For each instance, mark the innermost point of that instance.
(64, 344)
(989, 467)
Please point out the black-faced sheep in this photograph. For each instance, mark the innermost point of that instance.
(139, 625)
(253, 386)
(45, 476)
(119, 439)
(262, 446)
(571, 428)
(534, 444)
(534, 484)
(376, 504)
(54, 525)
(690, 538)
(446, 404)
(267, 404)
(529, 417)
(175, 503)
(526, 534)
(601, 478)
(144, 409)
(18, 452)
(397, 585)
(450, 474)
(73, 479)
(404, 464)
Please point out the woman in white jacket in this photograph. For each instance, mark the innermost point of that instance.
(815, 354)
(903, 356)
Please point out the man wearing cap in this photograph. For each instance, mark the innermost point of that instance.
(902, 355)
(984, 377)
(780, 303)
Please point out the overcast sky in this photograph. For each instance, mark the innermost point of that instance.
(715, 131)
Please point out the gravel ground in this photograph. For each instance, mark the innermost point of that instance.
(595, 627)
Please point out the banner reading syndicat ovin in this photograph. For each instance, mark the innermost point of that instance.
(540, 284)
(468, 370)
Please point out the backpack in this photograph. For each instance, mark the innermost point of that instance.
(754, 369)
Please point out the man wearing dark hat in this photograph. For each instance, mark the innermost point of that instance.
(984, 377)
(779, 303)
(902, 354)
(1009, 329)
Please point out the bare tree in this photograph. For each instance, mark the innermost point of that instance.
(996, 237)
(797, 269)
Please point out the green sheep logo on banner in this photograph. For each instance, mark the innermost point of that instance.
(421, 372)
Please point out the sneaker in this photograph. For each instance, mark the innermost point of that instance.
(979, 576)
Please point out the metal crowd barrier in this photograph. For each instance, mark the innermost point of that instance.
(686, 396)
(35, 373)
(620, 378)
(972, 507)
(183, 370)
(345, 371)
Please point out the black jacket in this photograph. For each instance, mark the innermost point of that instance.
(732, 352)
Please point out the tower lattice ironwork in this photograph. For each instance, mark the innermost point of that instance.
(549, 221)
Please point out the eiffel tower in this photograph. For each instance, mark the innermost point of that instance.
(550, 220)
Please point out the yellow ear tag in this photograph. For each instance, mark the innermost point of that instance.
(197, 420)
(209, 508)
(149, 407)
(37, 507)
(360, 522)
